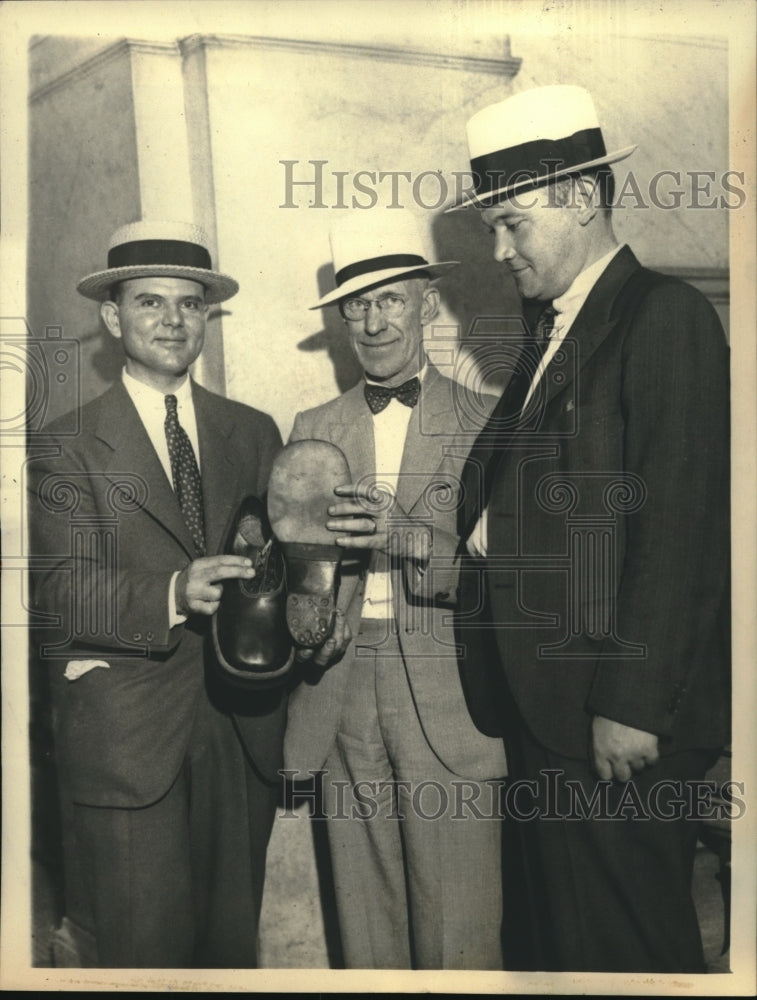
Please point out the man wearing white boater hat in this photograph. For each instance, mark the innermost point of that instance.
(168, 780)
(595, 523)
(416, 870)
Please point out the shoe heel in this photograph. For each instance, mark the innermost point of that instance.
(312, 584)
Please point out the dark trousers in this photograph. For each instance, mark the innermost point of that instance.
(609, 894)
(179, 883)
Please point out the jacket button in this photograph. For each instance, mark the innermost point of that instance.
(674, 702)
(149, 636)
(137, 636)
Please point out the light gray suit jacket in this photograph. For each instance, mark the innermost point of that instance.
(441, 430)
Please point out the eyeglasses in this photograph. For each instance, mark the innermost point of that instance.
(389, 305)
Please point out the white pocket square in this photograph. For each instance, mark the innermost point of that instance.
(76, 668)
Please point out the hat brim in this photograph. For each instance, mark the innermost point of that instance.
(492, 198)
(363, 282)
(218, 287)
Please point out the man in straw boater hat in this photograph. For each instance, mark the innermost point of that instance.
(168, 780)
(416, 872)
(596, 525)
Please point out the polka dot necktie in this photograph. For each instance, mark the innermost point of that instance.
(378, 397)
(186, 475)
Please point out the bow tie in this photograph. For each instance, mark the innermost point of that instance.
(378, 397)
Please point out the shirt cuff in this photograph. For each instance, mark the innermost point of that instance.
(174, 618)
(422, 559)
(476, 543)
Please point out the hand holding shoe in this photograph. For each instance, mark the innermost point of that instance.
(371, 518)
(332, 649)
(300, 489)
(250, 637)
(198, 587)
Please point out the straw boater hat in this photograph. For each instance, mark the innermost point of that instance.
(369, 246)
(165, 249)
(531, 138)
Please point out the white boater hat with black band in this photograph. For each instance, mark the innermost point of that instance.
(159, 249)
(370, 246)
(532, 138)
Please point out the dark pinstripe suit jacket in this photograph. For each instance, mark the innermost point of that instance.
(607, 568)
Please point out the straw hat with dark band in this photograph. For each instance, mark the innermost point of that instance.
(531, 138)
(165, 249)
(372, 246)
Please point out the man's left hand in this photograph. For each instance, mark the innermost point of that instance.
(619, 750)
(371, 518)
(333, 648)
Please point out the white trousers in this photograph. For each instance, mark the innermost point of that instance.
(415, 849)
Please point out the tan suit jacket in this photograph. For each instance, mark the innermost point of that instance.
(441, 430)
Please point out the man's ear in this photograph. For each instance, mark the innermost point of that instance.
(587, 198)
(430, 306)
(109, 313)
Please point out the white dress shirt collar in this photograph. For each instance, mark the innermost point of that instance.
(151, 407)
(143, 394)
(569, 304)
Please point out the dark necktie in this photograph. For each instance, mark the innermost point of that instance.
(378, 397)
(545, 325)
(508, 411)
(186, 475)
(506, 417)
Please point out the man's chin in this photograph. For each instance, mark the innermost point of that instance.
(380, 374)
(526, 288)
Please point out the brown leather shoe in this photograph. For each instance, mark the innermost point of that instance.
(249, 629)
(300, 490)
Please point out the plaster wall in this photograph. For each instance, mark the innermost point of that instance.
(202, 126)
(83, 173)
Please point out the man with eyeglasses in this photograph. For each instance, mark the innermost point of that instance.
(410, 785)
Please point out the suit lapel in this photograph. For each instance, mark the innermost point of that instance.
(353, 433)
(590, 328)
(219, 470)
(593, 323)
(122, 431)
(432, 422)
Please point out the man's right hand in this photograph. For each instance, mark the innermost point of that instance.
(198, 587)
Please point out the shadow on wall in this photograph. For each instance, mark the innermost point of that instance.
(66, 372)
(479, 288)
(333, 337)
(107, 356)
